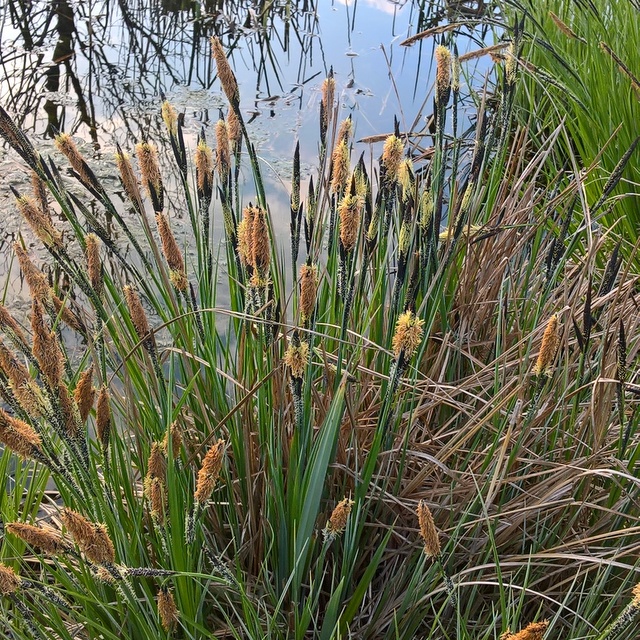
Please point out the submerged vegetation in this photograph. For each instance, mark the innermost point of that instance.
(421, 422)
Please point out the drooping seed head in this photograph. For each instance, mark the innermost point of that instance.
(36, 280)
(40, 224)
(428, 530)
(147, 154)
(103, 417)
(19, 436)
(172, 253)
(138, 316)
(9, 325)
(167, 610)
(225, 74)
(85, 393)
(408, 335)
(128, 178)
(66, 145)
(10, 582)
(46, 347)
(45, 539)
(209, 472)
(548, 349)
(223, 153)
(94, 263)
(93, 539)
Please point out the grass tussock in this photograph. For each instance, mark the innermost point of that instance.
(432, 433)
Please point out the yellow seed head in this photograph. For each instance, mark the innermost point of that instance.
(167, 610)
(93, 539)
(511, 67)
(428, 530)
(405, 177)
(328, 93)
(443, 74)
(245, 232)
(296, 358)
(408, 335)
(345, 132)
(9, 581)
(340, 172)
(209, 472)
(548, 349)
(10, 326)
(45, 539)
(170, 117)
(338, 520)
(350, 212)
(204, 166)
(391, 158)
(225, 74)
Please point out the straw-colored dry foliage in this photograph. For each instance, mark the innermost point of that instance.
(431, 434)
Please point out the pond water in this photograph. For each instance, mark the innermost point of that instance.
(96, 70)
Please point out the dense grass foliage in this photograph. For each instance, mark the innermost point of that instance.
(432, 433)
(581, 67)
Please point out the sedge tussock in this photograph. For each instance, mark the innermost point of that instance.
(92, 538)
